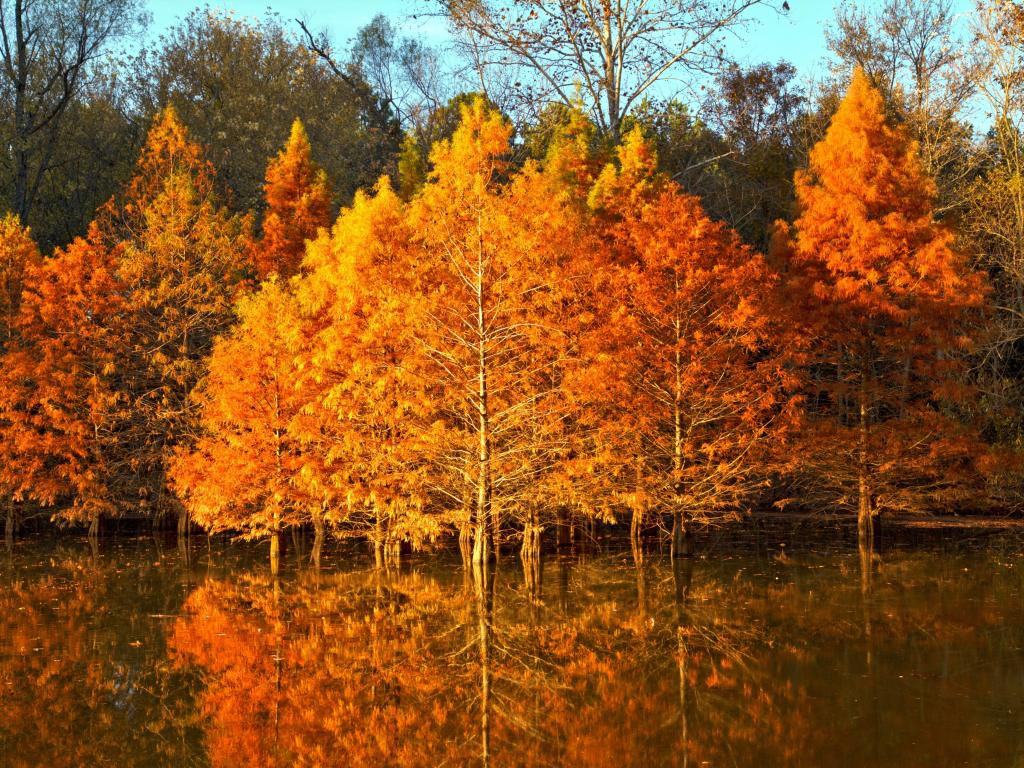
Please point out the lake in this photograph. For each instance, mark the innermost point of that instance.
(143, 655)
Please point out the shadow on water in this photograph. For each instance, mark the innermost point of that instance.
(132, 652)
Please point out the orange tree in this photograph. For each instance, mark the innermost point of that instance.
(239, 473)
(489, 240)
(18, 253)
(883, 300)
(298, 205)
(180, 257)
(63, 413)
(682, 388)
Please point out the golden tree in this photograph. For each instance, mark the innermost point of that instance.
(883, 300)
(490, 335)
(362, 429)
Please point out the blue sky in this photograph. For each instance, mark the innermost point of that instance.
(797, 37)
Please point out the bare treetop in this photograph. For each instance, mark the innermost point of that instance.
(607, 52)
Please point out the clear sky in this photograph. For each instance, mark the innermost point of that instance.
(797, 37)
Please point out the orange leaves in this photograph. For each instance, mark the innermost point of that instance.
(683, 386)
(18, 253)
(885, 303)
(298, 206)
(62, 408)
(239, 474)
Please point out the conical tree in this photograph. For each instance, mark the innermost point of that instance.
(181, 257)
(362, 430)
(298, 206)
(494, 246)
(884, 300)
(682, 393)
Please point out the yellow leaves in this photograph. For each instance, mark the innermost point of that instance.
(474, 157)
(628, 183)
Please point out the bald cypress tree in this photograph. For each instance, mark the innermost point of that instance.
(884, 300)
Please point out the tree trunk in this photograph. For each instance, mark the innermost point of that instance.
(275, 553)
(682, 536)
(865, 529)
(530, 549)
(318, 538)
(564, 536)
(9, 526)
(393, 552)
(466, 540)
(94, 526)
(483, 542)
(183, 523)
(635, 527)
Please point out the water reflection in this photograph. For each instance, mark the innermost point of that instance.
(142, 656)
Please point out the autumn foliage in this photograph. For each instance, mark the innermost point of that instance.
(298, 206)
(506, 347)
(884, 302)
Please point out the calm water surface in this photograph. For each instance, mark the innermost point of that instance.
(139, 656)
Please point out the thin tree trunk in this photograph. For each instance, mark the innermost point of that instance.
(483, 542)
(275, 553)
(531, 537)
(466, 539)
(865, 530)
(563, 530)
(682, 538)
(318, 538)
(9, 526)
(635, 528)
(94, 526)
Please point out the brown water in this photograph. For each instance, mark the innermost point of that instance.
(134, 656)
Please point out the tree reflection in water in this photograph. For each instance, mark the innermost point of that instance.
(911, 659)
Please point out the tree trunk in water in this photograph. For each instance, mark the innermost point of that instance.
(635, 527)
(564, 532)
(183, 524)
(275, 553)
(9, 526)
(393, 553)
(94, 526)
(378, 554)
(531, 537)
(466, 541)
(318, 539)
(682, 536)
(865, 529)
